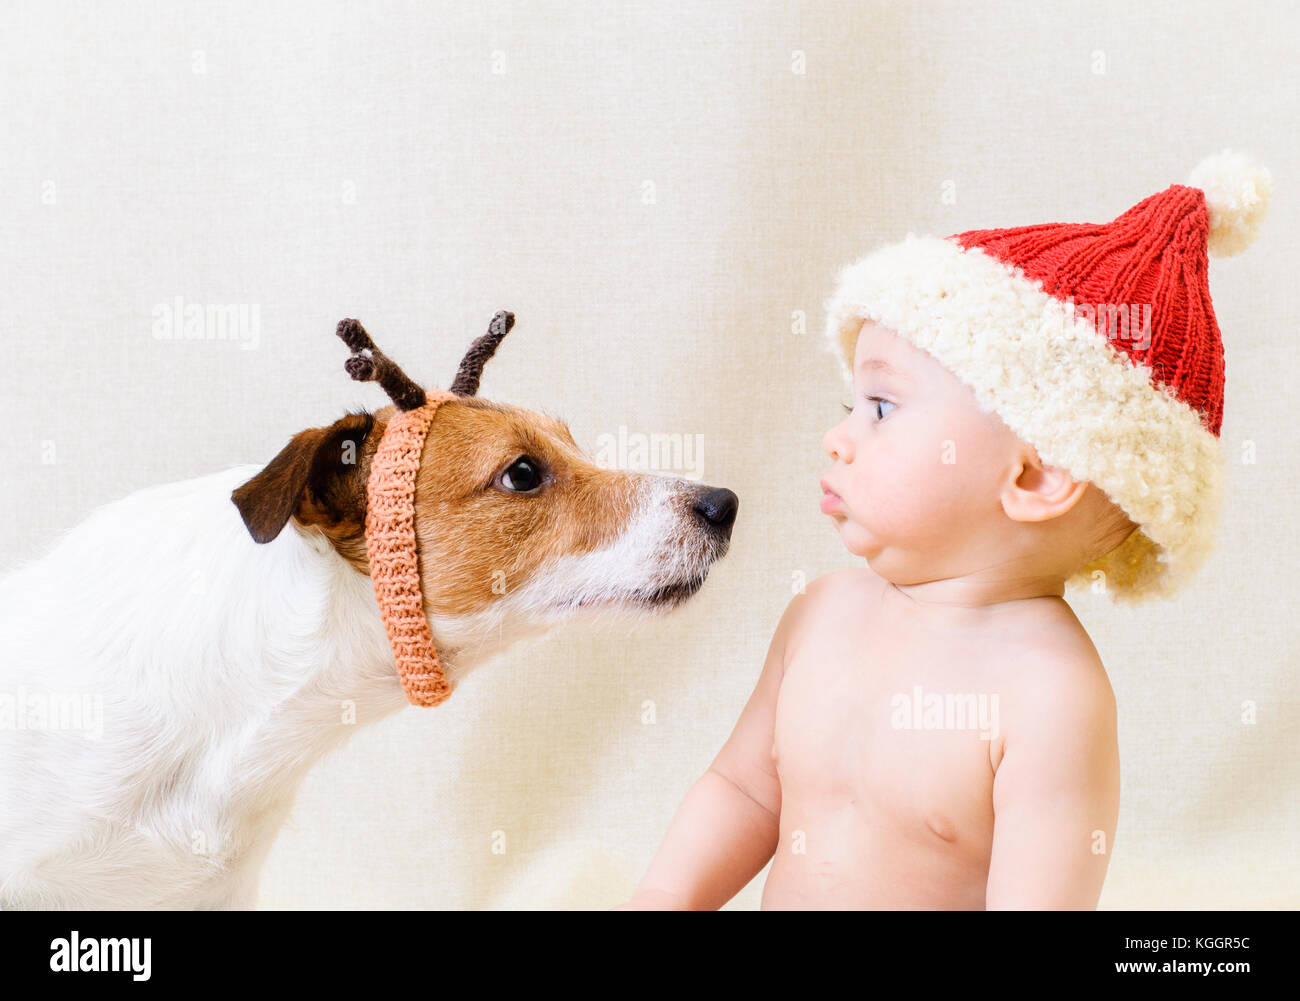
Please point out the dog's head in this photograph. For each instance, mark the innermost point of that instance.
(517, 528)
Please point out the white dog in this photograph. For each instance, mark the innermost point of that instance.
(166, 681)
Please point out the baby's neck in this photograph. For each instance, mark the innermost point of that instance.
(972, 596)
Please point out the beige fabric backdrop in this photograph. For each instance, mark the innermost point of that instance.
(658, 191)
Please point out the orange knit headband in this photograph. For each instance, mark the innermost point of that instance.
(391, 545)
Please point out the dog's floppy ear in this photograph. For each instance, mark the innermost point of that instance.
(320, 477)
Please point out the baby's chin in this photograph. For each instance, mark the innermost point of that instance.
(864, 545)
(856, 540)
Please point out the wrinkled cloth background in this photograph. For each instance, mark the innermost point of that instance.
(663, 194)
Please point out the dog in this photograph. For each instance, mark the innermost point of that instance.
(222, 635)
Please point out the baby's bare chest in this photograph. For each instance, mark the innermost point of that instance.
(906, 728)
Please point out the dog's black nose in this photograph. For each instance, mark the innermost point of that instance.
(717, 506)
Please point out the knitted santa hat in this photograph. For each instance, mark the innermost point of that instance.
(1095, 343)
(391, 545)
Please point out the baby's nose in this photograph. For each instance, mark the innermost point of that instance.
(831, 443)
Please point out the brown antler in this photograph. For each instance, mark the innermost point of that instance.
(471, 366)
(378, 367)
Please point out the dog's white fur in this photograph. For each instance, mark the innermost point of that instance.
(224, 670)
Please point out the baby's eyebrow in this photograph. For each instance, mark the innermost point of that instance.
(881, 366)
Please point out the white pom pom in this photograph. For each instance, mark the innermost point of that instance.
(1237, 190)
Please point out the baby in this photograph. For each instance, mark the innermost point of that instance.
(936, 729)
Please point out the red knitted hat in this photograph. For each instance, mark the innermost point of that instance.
(1096, 343)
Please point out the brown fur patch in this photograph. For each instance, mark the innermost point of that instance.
(475, 536)
(311, 478)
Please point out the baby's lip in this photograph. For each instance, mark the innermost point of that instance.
(826, 488)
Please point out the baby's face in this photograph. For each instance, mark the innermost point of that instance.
(919, 468)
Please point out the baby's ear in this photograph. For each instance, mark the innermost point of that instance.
(319, 478)
(1041, 492)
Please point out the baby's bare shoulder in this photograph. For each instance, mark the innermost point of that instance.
(1055, 674)
(826, 609)
(842, 587)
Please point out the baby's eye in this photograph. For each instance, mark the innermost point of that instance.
(872, 399)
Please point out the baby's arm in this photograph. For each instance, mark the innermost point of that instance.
(727, 826)
(1056, 793)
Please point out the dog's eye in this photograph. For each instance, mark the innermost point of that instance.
(522, 476)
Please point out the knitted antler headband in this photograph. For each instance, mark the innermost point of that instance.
(391, 545)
